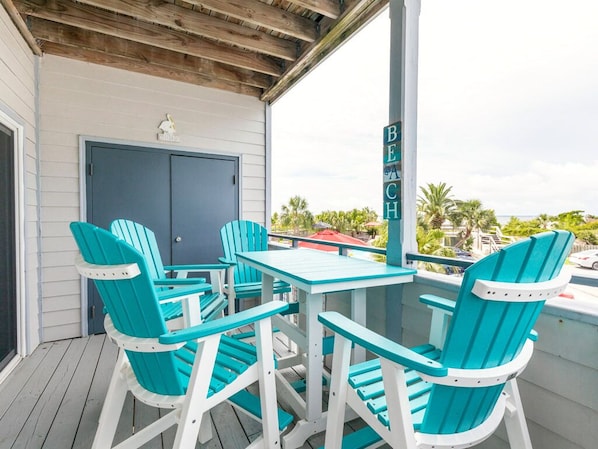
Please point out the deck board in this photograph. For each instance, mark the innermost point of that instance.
(38, 424)
(17, 416)
(54, 397)
(64, 427)
(97, 392)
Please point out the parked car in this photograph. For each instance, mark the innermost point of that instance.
(462, 254)
(586, 259)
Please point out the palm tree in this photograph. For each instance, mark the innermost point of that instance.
(296, 215)
(336, 219)
(473, 217)
(359, 217)
(545, 220)
(435, 204)
(275, 221)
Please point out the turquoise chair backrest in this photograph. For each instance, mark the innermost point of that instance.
(243, 235)
(485, 334)
(132, 305)
(144, 240)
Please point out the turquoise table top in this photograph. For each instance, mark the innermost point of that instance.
(315, 271)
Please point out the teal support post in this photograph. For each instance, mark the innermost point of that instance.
(404, 30)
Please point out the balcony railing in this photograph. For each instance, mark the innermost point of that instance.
(344, 248)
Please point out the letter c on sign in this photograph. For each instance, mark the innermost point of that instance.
(391, 191)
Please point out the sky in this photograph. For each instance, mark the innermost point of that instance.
(507, 111)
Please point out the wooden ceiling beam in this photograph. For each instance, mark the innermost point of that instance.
(124, 63)
(190, 21)
(264, 15)
(328, 8)
(105, 22)
(76, 37)
(21, 26)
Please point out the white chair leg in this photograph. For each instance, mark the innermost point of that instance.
(338, 393)
(399, 411)
(291, 319)
(193, 411)
(205, 429)
(113, 404)
(267, 384)
(515, 418)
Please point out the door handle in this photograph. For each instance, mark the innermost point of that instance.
(178, 238)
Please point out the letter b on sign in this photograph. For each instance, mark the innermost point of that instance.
(392, 133)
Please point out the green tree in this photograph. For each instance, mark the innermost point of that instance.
(336, 219)
(472, 217)
(435, 204)
(352, 221)
(381, 241)
(569, 221)
(545, 221)
(275, 221)
(589, 237)
(295, 215)
(431, 242)
(521, 228)
(357, 218)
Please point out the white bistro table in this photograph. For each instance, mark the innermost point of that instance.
(317, 273)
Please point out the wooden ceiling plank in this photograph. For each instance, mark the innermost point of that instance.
(132, 65)
(264, 15)
(190, 21)
(66, 35)
(328, 8)
(21, 26)
(126, 28)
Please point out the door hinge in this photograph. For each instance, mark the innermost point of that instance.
(90, 169)
(234, 179)
(92, 312)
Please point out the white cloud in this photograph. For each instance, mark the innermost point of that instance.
(543, 187)
(508, 103)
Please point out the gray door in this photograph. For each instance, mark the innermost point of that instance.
(201, 206)
(8, 293)
(176, 194)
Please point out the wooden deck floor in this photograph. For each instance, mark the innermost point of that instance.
(53, 399)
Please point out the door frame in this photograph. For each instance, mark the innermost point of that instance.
(84, 140)
(18, 130)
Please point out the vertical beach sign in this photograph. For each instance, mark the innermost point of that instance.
(392, 172)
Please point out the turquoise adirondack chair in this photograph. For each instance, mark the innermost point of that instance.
(453, 392)
(190, 370)
(242, 281)
(211, 303)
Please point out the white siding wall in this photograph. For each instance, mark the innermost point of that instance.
(17, 100)
(79, 99)
(558, 387)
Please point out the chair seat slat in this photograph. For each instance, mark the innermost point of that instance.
(224, 375)
(366, 378)
(363, 367)
(235, 353)
(231, 364)
(251, 404)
